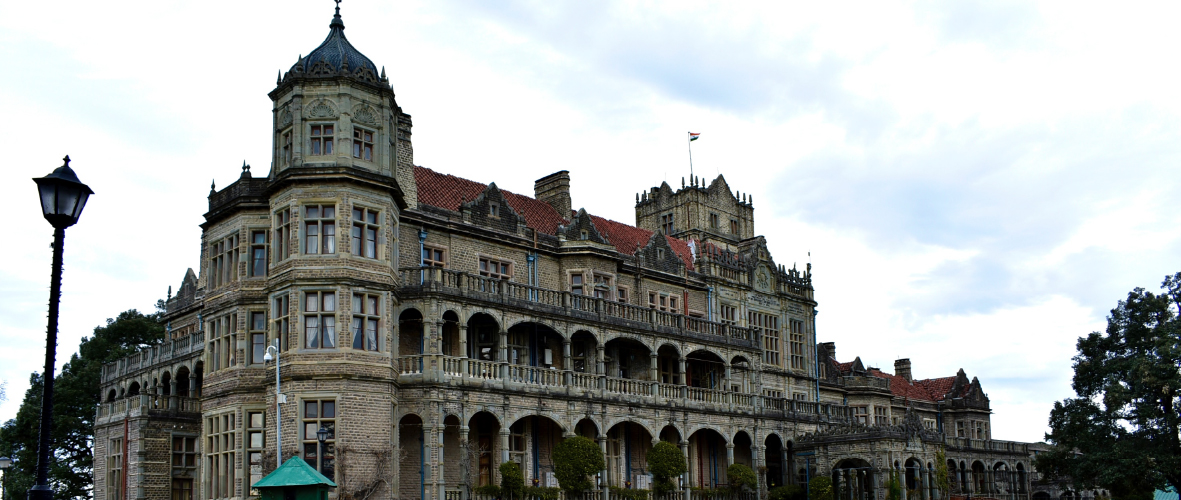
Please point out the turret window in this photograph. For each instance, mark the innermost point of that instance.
(364, 242)
(320, 229)
(319, 320)
(285, 149)
(322, 139)
(362, 144)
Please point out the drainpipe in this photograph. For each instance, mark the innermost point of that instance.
(709, 303)
(816, 360)
(531, 263)
(421, 249)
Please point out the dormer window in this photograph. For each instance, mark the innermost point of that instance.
(494, 209)
(659, 254)
(584, 235)
(362, 144)
(322, 139)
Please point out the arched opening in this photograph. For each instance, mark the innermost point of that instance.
(742, 451)
(166, 384)
(704, 369)
(133, 389)
(484, 434)
(111, 395)
(583, 352)
(707, 459)
(450, 334)
(627, 358)
(774, 461)
(199, 373)
(410, 329)
(483, 337)
(456, 459)
(668, 360)
(531, 444)
(980, 481)
(670, 434)
(912, 473)
(535, 344)
(853, 478)
(965, 484)
(1020, 478)
(740, 374)
(953, 476)
(586, 428)
(1041, 495)
(1000, 477)
(627, 453)
(182, 381)
(412, 468)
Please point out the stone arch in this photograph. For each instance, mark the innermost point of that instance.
(980, 483)
(555, 327)
(774, 459)
(953, 477)
(133, 389)
(1041, 495)
(454, 452)
(532, 439)
(166, 383)
(707, 457)
(182, 381)
(616, 421)
(533, 343)
(411, 332)
(483, 336)
(743, 454)
(551, 415)
(628, 357)
(484, 432)
(704, 368)
(912, 473)
(672, 433)
(628, 443)
(668, 363)
(587, 427)
(584, 351)
(1020, 478)
(741, 374)
(450, 334)
(412, 470)
(853, 477)
(112, 394)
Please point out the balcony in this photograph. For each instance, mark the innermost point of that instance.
(148, 405)
(434, 280)
(465, 372)
(147, 357)
(965, 444)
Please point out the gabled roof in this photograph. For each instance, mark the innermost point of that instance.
(294, 472)
(449, 192)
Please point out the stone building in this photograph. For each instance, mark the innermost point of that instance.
(429, 328)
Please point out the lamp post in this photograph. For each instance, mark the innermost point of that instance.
(321, 436)
(5, 463)
(279, 399)
(63, 197)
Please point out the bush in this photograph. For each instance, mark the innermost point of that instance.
(787, 492)
(512, 480)
(894, 486)
(576, 458)
(741, 476)
(489, 490)
(538, 493)
(629, 494)
(820, 488)
(665, 461)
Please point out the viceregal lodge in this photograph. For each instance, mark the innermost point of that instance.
(429, 328)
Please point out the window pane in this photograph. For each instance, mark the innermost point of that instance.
(329, 212)
(257, 420)
(357, 334)
(329, 411)
(256, 440)
(259, 320)
(329, 301)
(357, 303)
(371, 217)
(329, 336)
(310, 410)
(328, 146)
(312, 332)
(328, 130)
(368, 152)
(312, 303)
(315, 146)
(372, 309)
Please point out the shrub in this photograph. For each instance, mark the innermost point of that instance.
(489, 490)
(629, 494)
(538, 493)
(576, 458)
(787, 492)
(741, 476)
(665, 461)
(512, 480)
(894, 486)
(820, 488)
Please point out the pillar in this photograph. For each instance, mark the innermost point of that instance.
(654, 373)
(935, 493)
(172, 393)
(466, 470)
(685, 484)
(729, 454)
(921, 476)
(567, 364)
(440, 476)
(504, 362)
(600, 365)
(606, 484)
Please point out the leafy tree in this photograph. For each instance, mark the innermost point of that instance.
(942, 475)
(575, 459)
(1121, 432)
(75, 395)
(665, 461)
(512, 480)
(741, 477)
(820, 488)
(894, 486)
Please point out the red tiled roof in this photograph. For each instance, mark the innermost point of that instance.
(627, 239)
(931, 389)
(449, 192)
(938, 387)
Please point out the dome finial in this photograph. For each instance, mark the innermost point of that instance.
(336, 20)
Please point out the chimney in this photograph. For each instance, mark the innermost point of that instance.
(830, 349)
(554, 189)
(902, 369)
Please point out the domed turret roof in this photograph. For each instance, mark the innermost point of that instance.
(335, 57)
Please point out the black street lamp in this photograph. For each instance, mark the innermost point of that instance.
(321, 436)
(63, 197)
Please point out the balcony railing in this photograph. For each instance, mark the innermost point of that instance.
(139, 404)
(166, 350)
(436, 368)
(447, 281)
(988, 445)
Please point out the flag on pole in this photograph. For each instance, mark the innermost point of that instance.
(693, 136)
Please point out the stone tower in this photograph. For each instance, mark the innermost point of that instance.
(695, 211)
(334, 108)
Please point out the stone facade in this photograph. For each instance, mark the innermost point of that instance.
(431, 327)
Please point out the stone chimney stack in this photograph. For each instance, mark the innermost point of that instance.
(829, 348)
(555, 190)
(902, 369)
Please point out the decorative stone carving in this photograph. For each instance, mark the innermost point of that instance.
(320, 108)
(364, 113)
(285, 117)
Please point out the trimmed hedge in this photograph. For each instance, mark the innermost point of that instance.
(575, 459)
(787, 492)
(820, 488)
(512, 480)
(665, 461)
(741, 476)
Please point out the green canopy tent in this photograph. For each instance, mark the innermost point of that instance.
(294, 480)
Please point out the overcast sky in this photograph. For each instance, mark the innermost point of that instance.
(978, 183)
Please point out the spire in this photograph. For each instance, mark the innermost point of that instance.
(336, 21)
(279, 78)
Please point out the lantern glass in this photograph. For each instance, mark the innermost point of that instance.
(63, 196)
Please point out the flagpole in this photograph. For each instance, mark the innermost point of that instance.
(689, 137)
